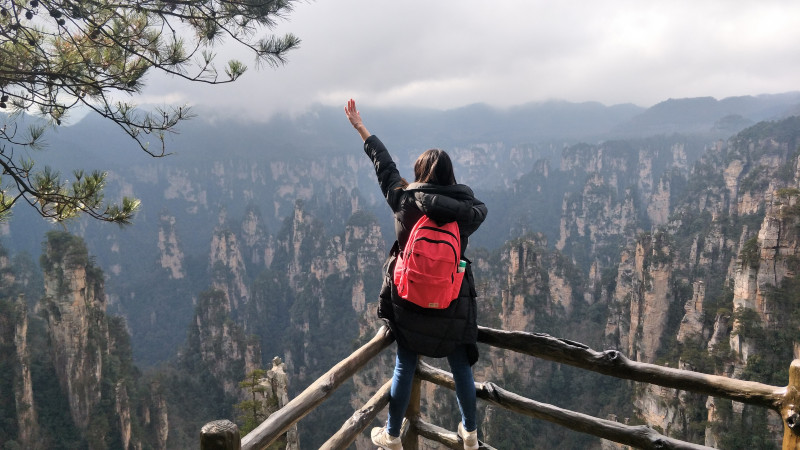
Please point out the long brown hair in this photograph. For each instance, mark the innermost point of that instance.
(434, 167)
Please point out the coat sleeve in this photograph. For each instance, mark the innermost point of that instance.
(389, 177)
(468, 212)
(473, 217)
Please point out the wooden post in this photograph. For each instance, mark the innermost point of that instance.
(220, 435)
(790, 409)
(411, 438)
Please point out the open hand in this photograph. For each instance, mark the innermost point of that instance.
(355, 119)
(352, 113)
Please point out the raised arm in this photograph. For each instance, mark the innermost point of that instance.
(355, 119)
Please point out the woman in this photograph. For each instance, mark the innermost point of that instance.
(450, 332)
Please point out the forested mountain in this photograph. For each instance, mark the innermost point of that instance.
(668, 233)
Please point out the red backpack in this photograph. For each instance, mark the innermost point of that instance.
(427, 272)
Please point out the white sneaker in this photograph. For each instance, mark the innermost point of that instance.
(383, 439)
(470, 438)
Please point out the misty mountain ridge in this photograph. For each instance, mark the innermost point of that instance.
(323, 129)
(706, 114)
(320, 129)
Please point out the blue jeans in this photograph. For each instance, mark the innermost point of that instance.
(403, 378)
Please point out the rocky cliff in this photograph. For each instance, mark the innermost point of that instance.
(21, 421)
(27, 417)
(715, 290)
(171, 254)
(90, 354)
(74, 307)
(640, 304)
(273, 394)
(221, 344)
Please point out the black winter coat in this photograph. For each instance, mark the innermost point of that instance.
(430, 332)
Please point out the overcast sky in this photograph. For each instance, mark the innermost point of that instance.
(449, 53)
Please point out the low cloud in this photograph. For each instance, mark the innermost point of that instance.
(450, 53)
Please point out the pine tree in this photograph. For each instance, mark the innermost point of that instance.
(56, 55)
(252, 411)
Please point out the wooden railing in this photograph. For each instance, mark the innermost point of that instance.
(224, 435)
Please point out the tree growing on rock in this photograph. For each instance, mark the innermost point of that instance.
(252, 410)
(56, 55)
